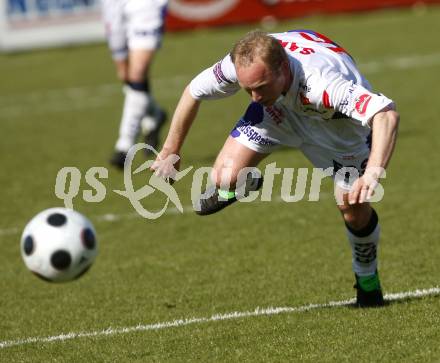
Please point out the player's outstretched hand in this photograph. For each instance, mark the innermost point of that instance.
(166, 165)
(363, 188)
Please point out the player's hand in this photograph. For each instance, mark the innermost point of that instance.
(363, 188)
(166, 165)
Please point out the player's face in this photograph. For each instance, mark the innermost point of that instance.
(263, 85)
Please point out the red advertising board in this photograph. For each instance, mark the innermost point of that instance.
(189, 14)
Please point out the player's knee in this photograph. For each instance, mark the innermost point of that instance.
(356, 216)
(351, 219)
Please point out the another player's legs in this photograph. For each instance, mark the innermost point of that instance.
(138, 104)
(363, 233)
(118, 157)
(154, 116)
(232, 159)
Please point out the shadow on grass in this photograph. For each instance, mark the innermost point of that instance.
(396, 299)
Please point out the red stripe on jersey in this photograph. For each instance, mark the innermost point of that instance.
(337, 49)
(326, 100)
(306, 36)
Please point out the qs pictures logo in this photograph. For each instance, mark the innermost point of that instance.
(155, 183)
(68, 182)
(245, 188)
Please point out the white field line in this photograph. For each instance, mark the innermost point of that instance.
(214, 318)
(96, 96)
(9, 231)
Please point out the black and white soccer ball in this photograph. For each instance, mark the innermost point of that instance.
(59, 245)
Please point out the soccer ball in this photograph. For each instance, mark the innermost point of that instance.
(59, 245)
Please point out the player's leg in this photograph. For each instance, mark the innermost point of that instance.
(137, 98)
(254, 137)
(230, 174)
(363, 232)
(136, 101)
(123, 142)
(233, 158)
(143, 26)
(121, 66)
(153, 116)
(361, 221)
(146, 31)
(116, 32)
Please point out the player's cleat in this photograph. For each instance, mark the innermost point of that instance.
(214, 200)
(211, 202)
(118, 159)
(369, 292)
(152, 135)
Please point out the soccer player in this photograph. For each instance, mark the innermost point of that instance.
(306, 92)
(134, 31)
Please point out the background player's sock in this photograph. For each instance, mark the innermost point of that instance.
(136, 103)
(364, 247)
(153, 117)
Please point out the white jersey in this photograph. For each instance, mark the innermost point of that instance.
(329, 103)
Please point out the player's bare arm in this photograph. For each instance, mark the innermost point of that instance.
(384, 126)
(184, 115)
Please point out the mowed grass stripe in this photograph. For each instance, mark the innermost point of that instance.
(116, 217)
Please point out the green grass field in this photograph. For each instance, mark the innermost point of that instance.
(61, 108)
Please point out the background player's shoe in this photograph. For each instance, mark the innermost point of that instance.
(369, 292)
(152, 129)
(214, 200)
(118, 159)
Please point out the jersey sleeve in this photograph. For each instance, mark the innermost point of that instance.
(331, 90)
(215, 82)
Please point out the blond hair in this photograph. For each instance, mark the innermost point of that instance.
(258, 45)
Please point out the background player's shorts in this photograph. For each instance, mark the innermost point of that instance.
(263, 131)
(133, 24)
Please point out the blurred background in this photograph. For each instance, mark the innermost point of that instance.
(61, 107)
(27, 24)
